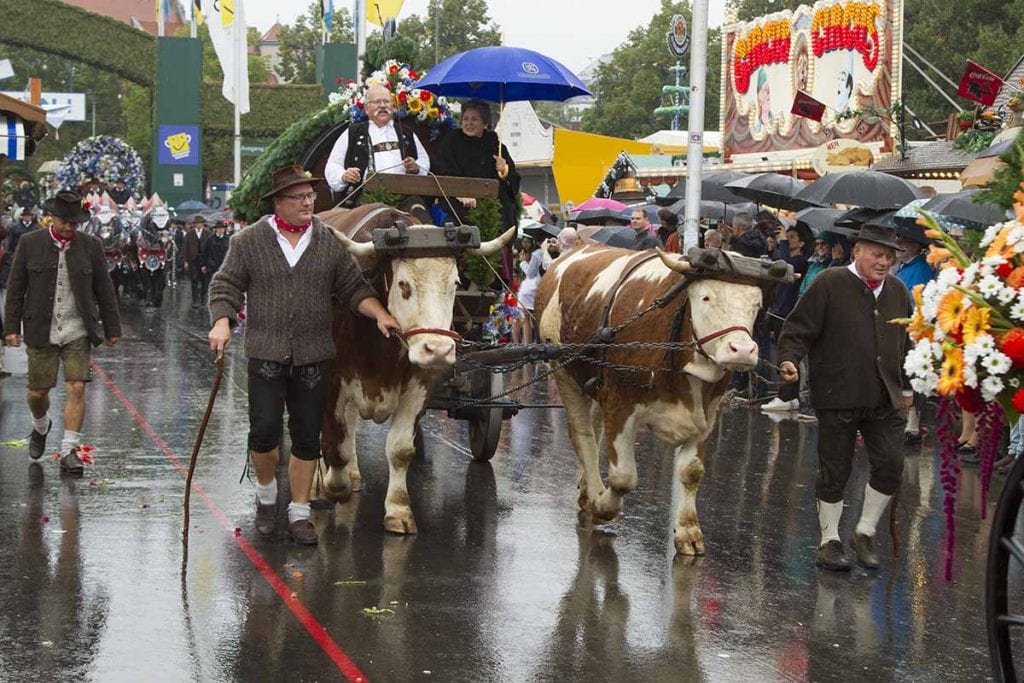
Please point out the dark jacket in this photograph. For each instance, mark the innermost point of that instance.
(33, 282)
(194, 246)
(469, 157)
(855, 353)
(751, 243)
(14, 234)
(643, 240)
(213, 251)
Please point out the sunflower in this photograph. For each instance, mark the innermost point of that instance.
(976, 323)
(951, 311)
(415, 105)
(951, 380)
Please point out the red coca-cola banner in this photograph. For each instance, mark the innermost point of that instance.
(979, 84)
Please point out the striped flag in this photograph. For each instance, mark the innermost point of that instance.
(226, 18)
(12, 138)
(197, 12)
(327, 11)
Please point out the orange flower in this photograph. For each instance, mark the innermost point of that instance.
(976, 323)
(951, 379)
(1016, 278)
(951, 312)
(998, 244)
(938, 255)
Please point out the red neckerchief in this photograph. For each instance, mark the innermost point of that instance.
(288, 227)
(62, 242)
(872, 284)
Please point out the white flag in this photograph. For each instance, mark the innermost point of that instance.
(226, 19)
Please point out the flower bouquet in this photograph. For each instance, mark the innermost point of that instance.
(968, 334)
(104, 158)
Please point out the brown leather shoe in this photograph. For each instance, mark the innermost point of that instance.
(832, 558)
(303, 532)
(265, 518)
(71, 463)
(864, 546)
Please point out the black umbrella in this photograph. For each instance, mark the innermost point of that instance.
(869, 189)
(614, 236)
(716, 210)
(962, 207)
(712, 188)
(819, 220)
(540, 231)
(771, 189)
(598, 217)
(854, 218)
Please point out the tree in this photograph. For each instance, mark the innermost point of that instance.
(628, 86)
(299, 41)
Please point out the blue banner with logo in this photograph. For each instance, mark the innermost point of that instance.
(178, 145)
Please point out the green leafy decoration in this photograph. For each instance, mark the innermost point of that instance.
(1006, 180)
(974, 141)
(487, 217)
(382, 197)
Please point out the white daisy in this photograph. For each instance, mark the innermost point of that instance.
(993, 261)
(1006, 295)
(990, 234)
(991, 387)
(996, 363)
(970, 274)
(948, 276)
(989, 287)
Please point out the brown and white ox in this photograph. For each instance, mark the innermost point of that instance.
(376, 378)
(681, 407)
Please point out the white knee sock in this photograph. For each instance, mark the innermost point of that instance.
(41, 424)
(267, 495)
(913, 421)
(71, 440)
(828, 520)
(297, 511)
(874, 505)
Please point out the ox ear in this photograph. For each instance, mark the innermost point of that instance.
(357, 249)
(495, 245)
(678, 265)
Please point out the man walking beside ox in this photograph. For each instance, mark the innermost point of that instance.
(856, 359)
(60, 289)
(290, 270)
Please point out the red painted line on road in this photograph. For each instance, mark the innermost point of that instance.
(347, 667)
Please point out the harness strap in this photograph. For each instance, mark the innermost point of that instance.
(613, 293)
(720, 333)
(431, 330)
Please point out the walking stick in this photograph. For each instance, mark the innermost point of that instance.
(195, 449)
(893, 531)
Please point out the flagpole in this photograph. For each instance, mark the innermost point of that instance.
(240, 55)
(359, 21)
(195, 30)
(695, 147)
(160, 18)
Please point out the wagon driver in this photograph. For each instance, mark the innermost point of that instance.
(377, 145)
(290, 271)
(857, 384)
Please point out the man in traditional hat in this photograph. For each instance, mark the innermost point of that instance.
(913, 270)
(61, 291)
(289, 269)
(195, 239)
(857, 384)
(377, 145)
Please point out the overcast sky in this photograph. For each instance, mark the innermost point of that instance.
(575, 32)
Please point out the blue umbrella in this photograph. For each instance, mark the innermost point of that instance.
(503, 74)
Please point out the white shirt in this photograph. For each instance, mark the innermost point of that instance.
(66, 324)
(877, 291)
(384, 162)
(292, 254)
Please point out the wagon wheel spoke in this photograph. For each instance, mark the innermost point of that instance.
(1011, 620)
(1015, 548)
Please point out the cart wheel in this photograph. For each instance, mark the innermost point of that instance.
(1004, 599)
(485, 428)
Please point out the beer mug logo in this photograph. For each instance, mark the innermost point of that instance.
(179, 145)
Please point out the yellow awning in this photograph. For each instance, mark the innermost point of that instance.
(582, 160)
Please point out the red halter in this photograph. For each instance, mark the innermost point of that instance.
(431, 330)
(720, 333)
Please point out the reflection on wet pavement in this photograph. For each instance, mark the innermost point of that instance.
(500, 584)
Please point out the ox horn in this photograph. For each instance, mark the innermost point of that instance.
(678, 265)
(357, 249)
(495, 245)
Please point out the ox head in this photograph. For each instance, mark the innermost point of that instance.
(723, 313)
(421, 295)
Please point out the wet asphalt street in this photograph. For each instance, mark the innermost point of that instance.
(500, 584)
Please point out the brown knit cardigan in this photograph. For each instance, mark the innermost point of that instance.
(288, 310)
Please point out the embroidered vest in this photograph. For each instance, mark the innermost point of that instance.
(359, 155)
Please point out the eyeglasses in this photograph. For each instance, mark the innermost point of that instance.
(309, 196)
(383, 100)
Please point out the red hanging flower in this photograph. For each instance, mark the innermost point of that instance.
(403, 97)
(1012, 344)
(413, 75)
(425, 95)
(393, 69)
(359, 103)
(340, 79)
(1003, 270)
(970, 400)
(349, 83)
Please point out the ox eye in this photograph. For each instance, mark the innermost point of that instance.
(405, 289)
(706, 298)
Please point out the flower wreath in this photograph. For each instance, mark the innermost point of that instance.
(105, 158)
(435, 112)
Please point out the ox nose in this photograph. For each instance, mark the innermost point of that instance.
(433, 352)
(741, 353)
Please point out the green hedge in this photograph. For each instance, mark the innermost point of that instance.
(71, 32)
(272, 109)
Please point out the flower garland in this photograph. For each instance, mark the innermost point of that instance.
(105, 158)
(399, 78)
(968, 334)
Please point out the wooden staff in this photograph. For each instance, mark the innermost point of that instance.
(199, 442)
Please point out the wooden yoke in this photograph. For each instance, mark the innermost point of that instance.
(432, 185)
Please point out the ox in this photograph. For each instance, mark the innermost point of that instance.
(376, 379)
(597, 287)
